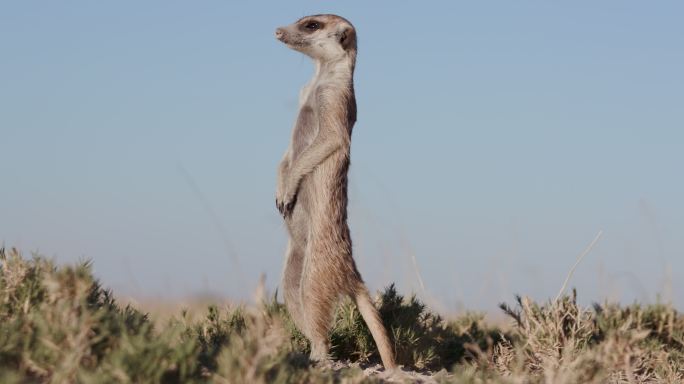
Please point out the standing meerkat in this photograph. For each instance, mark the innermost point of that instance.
(312, 188)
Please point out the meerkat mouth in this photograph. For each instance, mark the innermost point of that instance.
(292, 42)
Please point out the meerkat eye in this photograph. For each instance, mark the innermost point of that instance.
(312, 26)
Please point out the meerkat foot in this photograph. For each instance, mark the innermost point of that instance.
(319, 352)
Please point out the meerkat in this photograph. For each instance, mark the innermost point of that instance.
(312, 188)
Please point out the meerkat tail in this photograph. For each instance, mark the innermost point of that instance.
(372, 318)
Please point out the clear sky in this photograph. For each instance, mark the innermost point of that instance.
(494, 140)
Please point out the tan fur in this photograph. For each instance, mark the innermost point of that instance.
(312, 188)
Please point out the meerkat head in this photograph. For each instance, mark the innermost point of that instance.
(321, 37)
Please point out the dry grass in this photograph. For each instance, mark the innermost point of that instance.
(58, 325)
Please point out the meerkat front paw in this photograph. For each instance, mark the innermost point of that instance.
(285, 203)
(280, 197)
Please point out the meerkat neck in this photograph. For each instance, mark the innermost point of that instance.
(341, 69)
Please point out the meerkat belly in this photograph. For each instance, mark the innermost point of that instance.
(328, 186)
(305, 130)
(323, 192)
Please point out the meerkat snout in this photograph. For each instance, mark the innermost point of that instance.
(279, 34)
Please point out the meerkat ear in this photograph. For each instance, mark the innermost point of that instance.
(347, 38)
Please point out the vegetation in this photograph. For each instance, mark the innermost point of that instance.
(57, 325)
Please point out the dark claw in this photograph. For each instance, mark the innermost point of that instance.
(281, 207)
(289, 207)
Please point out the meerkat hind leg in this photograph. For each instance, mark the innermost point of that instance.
(318, 300)
(292, 277)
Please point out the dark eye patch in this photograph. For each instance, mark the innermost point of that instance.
(312, 26)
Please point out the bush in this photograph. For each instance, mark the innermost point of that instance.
(57, 324)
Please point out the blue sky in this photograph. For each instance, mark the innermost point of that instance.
(494, 140)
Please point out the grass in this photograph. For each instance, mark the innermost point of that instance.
(57, 325)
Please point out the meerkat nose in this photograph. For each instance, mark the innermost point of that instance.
(279, 33)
